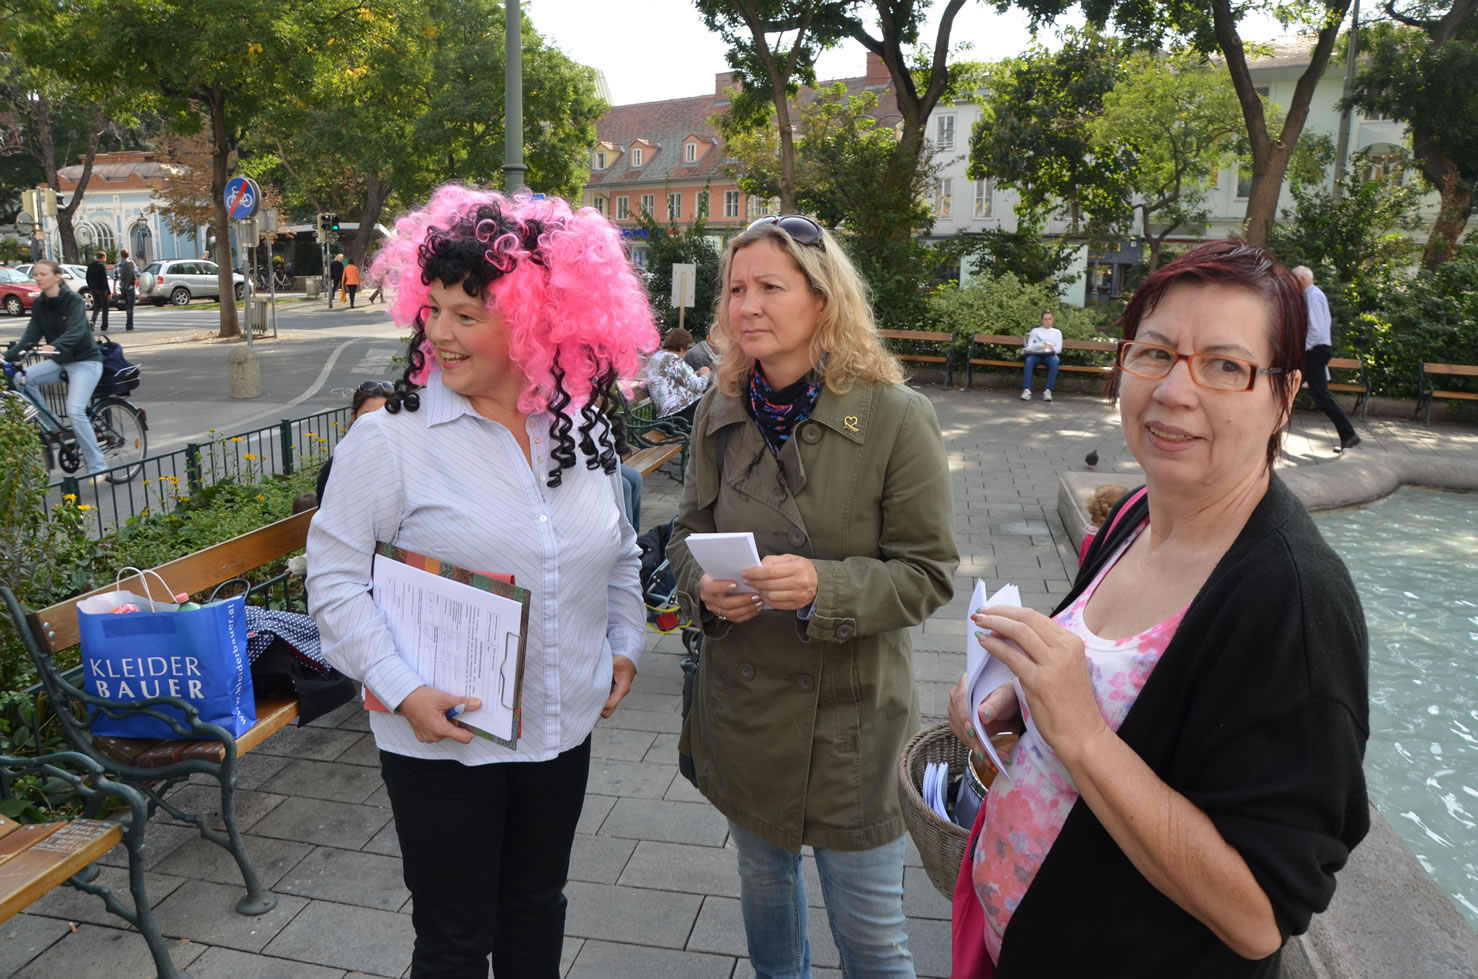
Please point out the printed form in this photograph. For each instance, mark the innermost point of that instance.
(460, 639)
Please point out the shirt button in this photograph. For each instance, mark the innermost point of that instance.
(796, 537)
(811, 434)
(804, 682)
(844, 631)
(537, 442)
(747, 671)
(544, 518)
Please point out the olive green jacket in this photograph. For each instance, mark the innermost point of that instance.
(796, 725)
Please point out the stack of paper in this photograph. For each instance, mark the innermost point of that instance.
(936, 784)
(983, 672)
(725, 557)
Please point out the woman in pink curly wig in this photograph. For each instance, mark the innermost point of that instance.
(523, 315)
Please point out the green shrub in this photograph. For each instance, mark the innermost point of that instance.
(1007, 306)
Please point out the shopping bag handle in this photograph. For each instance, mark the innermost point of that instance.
(143, 577)
(232, 581)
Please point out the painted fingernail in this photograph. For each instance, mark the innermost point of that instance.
(985, 715)
(969, 732)
(976, 755)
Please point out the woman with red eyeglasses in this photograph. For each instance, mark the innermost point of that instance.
(804, 695)
(1194, 714)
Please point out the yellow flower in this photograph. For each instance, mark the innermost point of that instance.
(85, 506)
(237, 438)
(70, 497)
(312, 435)
(249, 457)
(260, 496)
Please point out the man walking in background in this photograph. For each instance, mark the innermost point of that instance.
(128, 281)
(97, 284)
(1318, 348)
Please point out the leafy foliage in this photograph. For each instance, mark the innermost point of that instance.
(1007, 305)
(671, 245)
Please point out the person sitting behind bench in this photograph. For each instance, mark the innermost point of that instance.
(673, 386)
(1042, 346)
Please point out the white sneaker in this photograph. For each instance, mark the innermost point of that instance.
(1047, 395)
(1026, 394)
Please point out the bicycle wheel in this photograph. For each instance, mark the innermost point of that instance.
(122, 435)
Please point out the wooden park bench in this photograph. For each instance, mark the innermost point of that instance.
(1429, 390)
(655, 441)
(916, 339)
(1361, 387)
(36, 858)
(987, 340)
(152, 766)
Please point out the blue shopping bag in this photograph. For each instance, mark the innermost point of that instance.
(196, 654)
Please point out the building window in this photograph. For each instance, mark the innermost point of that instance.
(942, 193)
(674, 206)
(636, 157)
(623, 210)
(760, 207)
(945, 133)
(639, 257)
(690, 153)
(1244, 184)
(702, 205)
(982, 198)
(731, 203)
(600, 160)
(648, 204)
(600, 204)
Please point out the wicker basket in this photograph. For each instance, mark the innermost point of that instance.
(941, 843)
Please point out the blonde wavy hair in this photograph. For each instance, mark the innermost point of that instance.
(846, 334)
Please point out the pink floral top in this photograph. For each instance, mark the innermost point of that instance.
(1024, 816)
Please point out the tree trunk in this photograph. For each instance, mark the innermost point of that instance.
(375, 195)
(220, 157)
(1457, 197)
(1270, 156)
(64, 215)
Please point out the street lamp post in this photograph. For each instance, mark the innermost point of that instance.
(513, 168)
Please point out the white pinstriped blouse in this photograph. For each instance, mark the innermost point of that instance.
(446, 482)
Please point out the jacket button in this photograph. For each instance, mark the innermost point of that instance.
(844, 631)
(747, 671)
(811, 434)
(796, 537)
(804, 682)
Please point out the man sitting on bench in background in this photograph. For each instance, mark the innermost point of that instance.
(1042, 347)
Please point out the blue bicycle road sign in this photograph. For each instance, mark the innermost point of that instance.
(242, 198)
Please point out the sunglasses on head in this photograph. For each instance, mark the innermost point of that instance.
(377, 389)
(798, 226)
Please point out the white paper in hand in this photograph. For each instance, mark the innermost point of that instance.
(983, 672)
(725, 556)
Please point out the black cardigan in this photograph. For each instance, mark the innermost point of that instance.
(1258, 713)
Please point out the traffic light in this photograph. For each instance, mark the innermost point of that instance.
(333, 223)
(49, 203)
(319, 231)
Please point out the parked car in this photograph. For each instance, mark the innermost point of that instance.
(75, 276)
(17, 291)
(180, 280)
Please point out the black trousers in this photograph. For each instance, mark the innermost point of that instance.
(485, 852)
(351, 290)
(1316, 361)
(130, 296)
(100, 304)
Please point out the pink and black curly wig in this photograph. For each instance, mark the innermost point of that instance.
(577, 317)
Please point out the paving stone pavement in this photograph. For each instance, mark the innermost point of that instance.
(654, 889)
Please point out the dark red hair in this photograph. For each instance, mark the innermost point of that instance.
(1231, 262)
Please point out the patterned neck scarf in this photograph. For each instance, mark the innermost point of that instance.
(778, 412)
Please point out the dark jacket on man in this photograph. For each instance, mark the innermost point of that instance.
(62, 322)
(97, 278)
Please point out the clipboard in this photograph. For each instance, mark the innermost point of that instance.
(504, 685)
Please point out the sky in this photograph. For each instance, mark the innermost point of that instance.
(661, 50)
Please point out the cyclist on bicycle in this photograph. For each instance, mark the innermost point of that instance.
(60, 318)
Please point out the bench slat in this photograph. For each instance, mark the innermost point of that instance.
(1464, 395)
(648, 461)
(1460, 370)
(273, 714)
(191, 573)
(19, 842)
(932, 335)
(53, 852)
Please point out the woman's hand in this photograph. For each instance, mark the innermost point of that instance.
(623, 671)
(999, 713)
(425, 707)
(719, 597)
(702, 372)
(785, 581)
(1053, 670)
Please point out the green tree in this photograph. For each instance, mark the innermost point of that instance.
(1035, 132)
(1423, 74)
(770, 66)
(1171, 123)
(669, 245)
(1213, 27)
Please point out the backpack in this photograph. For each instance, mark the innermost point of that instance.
(119, 376)
(127, 274)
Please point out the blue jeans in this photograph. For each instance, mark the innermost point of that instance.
(1032, 360)
(631, 496)
(82, 377)
(863, 890)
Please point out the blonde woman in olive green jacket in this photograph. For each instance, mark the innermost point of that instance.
(805, 693)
